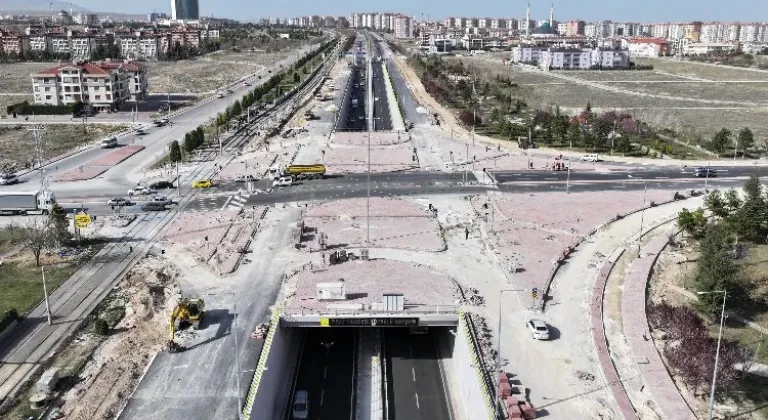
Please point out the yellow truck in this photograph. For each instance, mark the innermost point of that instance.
(298, 171)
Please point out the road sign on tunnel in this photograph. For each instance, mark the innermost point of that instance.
(369, 322)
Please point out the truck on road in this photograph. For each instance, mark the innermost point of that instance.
(298, 171)
(23, 203)
(354, 102)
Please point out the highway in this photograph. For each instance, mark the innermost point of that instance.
(415, 389)
(382, 119)
(326, 372)
(356, 117)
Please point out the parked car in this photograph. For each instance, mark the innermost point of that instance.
(8, 179)
(161, 185)
(118, 201)
(153, 206)
(283, 181)
(538, 328)
(592, 157)
(300, 407)
(161, 199)
(202, 183)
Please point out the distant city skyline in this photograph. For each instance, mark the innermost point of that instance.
(589, 10)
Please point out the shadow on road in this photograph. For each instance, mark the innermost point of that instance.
(222, 318)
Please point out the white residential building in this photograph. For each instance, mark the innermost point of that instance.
(403, 27)
(140, 47)
(749, 33)
(660, 30)
(560, 58)
(529, 54)
(702, 48)
(646, 47)
(610, 58)
(69, 83)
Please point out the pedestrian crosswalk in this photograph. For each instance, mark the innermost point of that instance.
(236, 202)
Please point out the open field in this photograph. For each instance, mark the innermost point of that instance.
(14, 77)
(703, 71)
(17, 146)
(206, 74)
(697, 116)
(6, 100)
(21, 283)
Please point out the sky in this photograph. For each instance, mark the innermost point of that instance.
(618, 10)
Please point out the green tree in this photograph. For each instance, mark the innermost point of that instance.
(733, 201)
(721, 140)
(748, 219)
(175, 154)
(200, 135)
(559, 127)
(574, 133)
(305, 70)
(236, 108)
(692, 222)
(716, 270)
(746, 139)
(189, 143)
(296, 78)
(59, 224)
(715, 202)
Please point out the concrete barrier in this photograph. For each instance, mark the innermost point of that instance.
(394, 107)
(271, 387)
(476, 395)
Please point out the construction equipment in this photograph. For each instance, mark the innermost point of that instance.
(189, 311)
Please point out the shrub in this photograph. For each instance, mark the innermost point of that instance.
(7, 318)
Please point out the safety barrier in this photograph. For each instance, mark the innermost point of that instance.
(480, 369)
(254, 389)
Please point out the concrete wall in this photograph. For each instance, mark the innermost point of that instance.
(271, 387)
(343, 109)
(474, 396)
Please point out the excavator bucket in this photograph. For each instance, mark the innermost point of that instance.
(174, 347)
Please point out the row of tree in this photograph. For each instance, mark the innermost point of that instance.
(13, 56)
(724, 138)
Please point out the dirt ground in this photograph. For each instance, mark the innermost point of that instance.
(17, 144)
(207, 73)
(15, 77)
(117, 365)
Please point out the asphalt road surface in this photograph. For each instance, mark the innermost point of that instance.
(356, 117)
(415, 383)
(326, 372)
(382, 119)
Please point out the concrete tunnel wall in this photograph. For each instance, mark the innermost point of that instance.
(276, 380)
(343, 110)
(474, 398)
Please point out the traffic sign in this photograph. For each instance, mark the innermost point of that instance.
(82, 220)
(534, 292)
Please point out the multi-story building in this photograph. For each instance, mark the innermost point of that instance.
(154, 17)
(713, 32)
(135, 75)
(529, 54)
(610, 58)
(676, 31)
(559, 58)
(646, 47)
(574, 27)
(403, 26)
(185, 10)
(185, 37)
(69, 83)
(660, 30)
(139, 46)
(692, 31)
(449, 22)
(734, 30)
(86, 18)
(701, 48)
(13, 43)
(748, 33)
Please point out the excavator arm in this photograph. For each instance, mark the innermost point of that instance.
(173, 347)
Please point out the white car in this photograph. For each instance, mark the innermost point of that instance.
(538, 329)
(161, 199)
(141, 191)
(283, 181)
(590, 158)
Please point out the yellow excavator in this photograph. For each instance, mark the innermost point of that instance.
(189, 311)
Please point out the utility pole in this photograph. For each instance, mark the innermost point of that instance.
(45, 293)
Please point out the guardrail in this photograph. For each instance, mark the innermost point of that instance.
(261, 366)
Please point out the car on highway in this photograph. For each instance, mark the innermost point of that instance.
(118, 201)
(141, 191)
(592, 157)
(161, 199)
(702, 172)
(8, 179)
(161, 185)
(158, 123)
(202, 183)
(538, 329)
(283, 181)
(247, 83)
(245, 178)
(300, 407)
(153, 206)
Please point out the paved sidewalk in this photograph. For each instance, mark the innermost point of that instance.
(601, 343)
(652, 369)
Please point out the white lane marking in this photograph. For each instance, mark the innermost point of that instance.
(417, 402)
(325, 372)
(180, 367)
(322, 394)
(225, 204)
(550, 179)
(413, 369)
(661, 177)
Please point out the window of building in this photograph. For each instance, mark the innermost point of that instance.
(47, 97)
(95, 88)
(108, 97)
(45, 80)
(97, 97)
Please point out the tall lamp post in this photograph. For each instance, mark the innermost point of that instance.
(642, 213)
(371, 128)
(717, 352)
(498, 351)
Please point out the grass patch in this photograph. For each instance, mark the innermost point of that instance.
(22, 284)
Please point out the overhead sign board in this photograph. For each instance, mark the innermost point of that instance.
(82, 220)
(369, 322)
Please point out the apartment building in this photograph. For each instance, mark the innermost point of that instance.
(610, 58)
(749, 33)
(13, 43)
(403, 26)
(692, 31)
(66, 84)
(527, 54)
(703, 48)
(140, 47)
(646, 47)
(574, 27)
(560, 58)
(135, 76)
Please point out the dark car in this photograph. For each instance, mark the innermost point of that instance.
(153, 206)
(702, 172)
(161, 185)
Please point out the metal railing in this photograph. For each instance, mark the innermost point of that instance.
(408, 310)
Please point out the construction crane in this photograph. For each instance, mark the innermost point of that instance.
(189, 311)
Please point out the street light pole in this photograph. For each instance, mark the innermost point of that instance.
(642, 217)
(45, 293)
(717, 353)
(238, 367)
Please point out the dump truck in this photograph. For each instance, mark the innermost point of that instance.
(298, 171)
(23, 203)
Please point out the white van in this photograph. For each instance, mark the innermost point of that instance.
(592, 157)
(109, 143)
